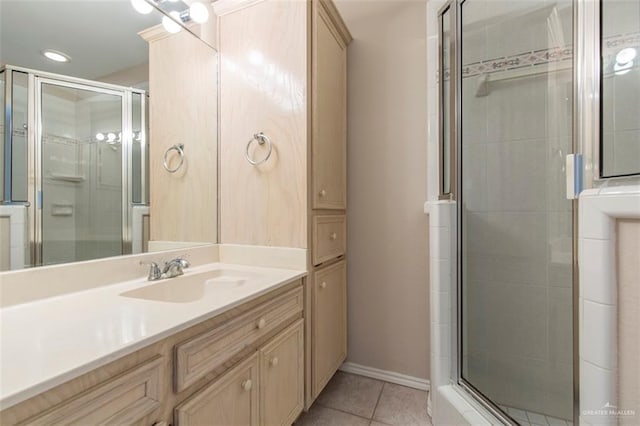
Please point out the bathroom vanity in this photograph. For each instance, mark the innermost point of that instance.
(222, 344)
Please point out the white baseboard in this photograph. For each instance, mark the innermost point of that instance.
(387, 376)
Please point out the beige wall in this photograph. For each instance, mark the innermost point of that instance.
(387, 186)
(628, 318)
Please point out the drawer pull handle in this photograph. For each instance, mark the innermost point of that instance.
(323, 284)
(247, 385)
(162, 423)
(322, 193)
(274, 361)
(262, 323)
(333, 236)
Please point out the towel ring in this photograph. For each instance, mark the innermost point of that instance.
(262, 139)
(179, 148)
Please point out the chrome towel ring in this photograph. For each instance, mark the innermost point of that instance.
(179, 148)
(262, 139)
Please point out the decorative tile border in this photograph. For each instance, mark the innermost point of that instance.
(540, 57)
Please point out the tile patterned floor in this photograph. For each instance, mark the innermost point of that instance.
(528, 418)
(352, 400)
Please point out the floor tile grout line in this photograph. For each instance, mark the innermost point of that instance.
(378, 400)
(342, 411)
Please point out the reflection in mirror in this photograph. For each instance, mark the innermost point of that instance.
(620, 89)
(81, 135)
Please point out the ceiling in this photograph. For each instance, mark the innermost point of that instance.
(100, 36)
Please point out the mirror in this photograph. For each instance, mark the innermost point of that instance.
(109, 122)
(620, 88)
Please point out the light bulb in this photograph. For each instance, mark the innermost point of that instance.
(626, 55)
(199, 12)
(100, 136)
(141, 6)
(111, 137)
(170, 25)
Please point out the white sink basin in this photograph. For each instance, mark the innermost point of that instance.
(190, 288)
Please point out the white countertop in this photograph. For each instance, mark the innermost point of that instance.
(48, 342)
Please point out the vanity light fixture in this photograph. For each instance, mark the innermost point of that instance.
(170, 25)
(141, 6)
(199, 12)
(196, 12)
(56, 56)
(100, 137)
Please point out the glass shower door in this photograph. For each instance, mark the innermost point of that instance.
(516, 223)
(81, 193)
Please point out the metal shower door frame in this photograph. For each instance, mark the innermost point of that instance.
(584, 69)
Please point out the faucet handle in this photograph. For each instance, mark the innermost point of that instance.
(155, 273)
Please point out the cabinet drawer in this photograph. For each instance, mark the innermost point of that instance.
(202, 354)
(282, 377)
(329, 325)
(123, 400)
(329, 237)
(232, 400)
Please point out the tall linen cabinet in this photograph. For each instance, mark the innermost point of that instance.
(283, 73)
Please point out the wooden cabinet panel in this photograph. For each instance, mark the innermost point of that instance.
(122, 401)
(329, 114)
(282, 377)
(329, 237)
(263, 88)
(183, 205)
(231, 400)
(329, 324)
(200, 355)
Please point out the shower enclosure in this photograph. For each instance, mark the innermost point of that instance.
(74, 164)
(506, 106)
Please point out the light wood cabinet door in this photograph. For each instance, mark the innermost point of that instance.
(329, 120)
(231, 400)
(329, 323)
(282, 377)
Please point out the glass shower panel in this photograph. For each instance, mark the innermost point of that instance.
(516, 224)
(19, 119)
(445, 101)
(81, 173)
(139, 150)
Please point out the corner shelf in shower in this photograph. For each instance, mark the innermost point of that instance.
(67, 177)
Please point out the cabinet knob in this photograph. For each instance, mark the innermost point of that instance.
(333, 236)
(274, 361)
(323, 284)
(322, 193)
(262, 323)
(247, 385)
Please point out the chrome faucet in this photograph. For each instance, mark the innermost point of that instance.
(171, 269)
(155, 273)
(175, 267)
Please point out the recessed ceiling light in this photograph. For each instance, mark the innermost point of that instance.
(56, 56)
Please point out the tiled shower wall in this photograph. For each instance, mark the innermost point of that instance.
(518, 250)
